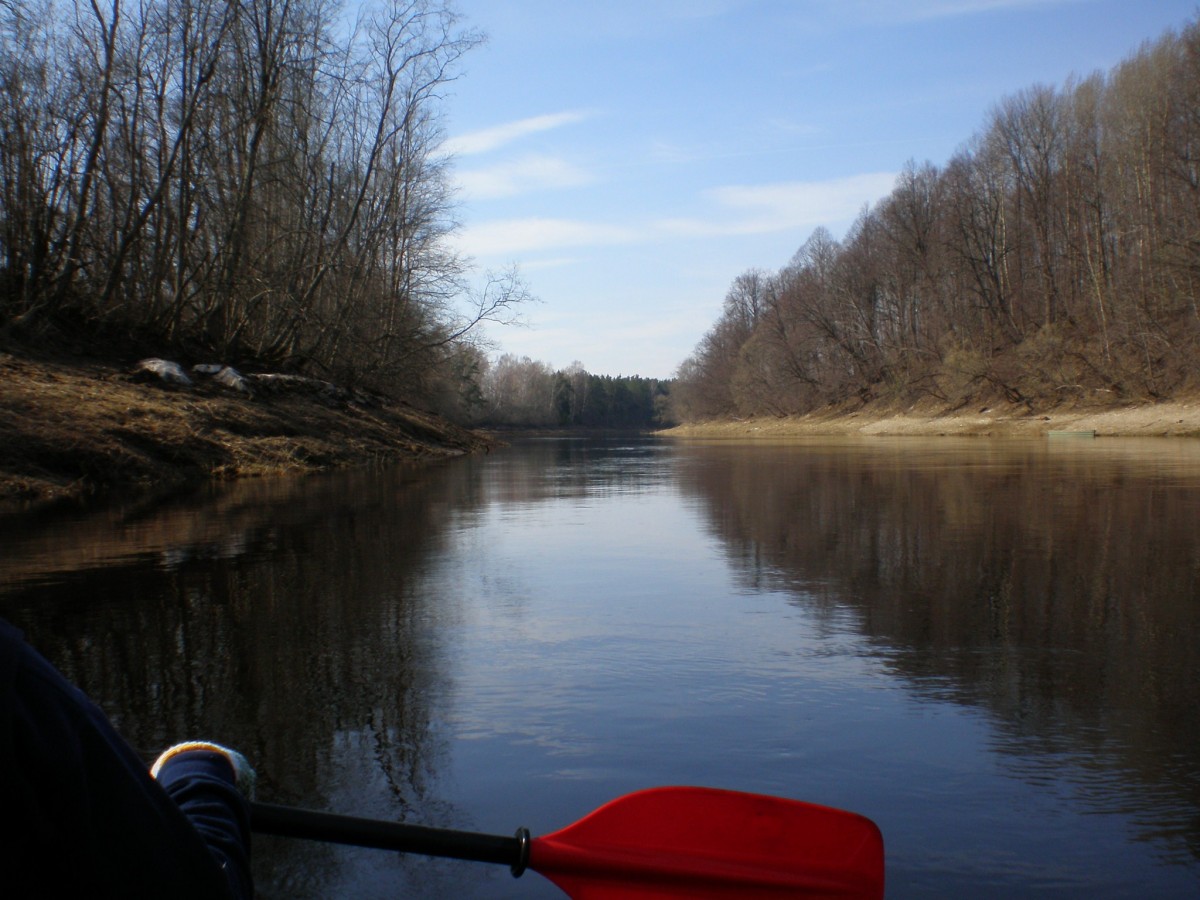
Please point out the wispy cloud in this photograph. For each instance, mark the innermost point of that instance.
(487, 139)
(540, 265)
(740, 210)
(509, 237)
(533, 172)
(649, 342)
(792, 128)
(760, 209)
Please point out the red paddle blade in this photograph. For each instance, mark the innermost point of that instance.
(702, 842)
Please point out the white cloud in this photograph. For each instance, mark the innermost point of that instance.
(507, 237)
(488, 139)
(743, 210)
(793, 128)
(764, 208)
(520, 176)
(541, 265)
(649, 343)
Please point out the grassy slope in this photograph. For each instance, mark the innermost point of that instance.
(69, 427)
(1175, 418)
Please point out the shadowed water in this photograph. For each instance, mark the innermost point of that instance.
(989, 647)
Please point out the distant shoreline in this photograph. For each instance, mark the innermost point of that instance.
(1176, 418)
(73, 428)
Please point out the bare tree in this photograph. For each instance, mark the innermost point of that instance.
(1056, 256)
(249, 179)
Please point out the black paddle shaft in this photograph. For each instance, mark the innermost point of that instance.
(285, 821)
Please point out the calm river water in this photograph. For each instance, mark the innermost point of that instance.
(991, 648)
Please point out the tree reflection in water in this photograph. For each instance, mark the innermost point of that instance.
(362, 638)
(277, 616)
(1056, 586)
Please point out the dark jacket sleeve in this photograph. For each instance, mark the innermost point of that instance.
(84, 814)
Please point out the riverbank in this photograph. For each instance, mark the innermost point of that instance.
(1176, 418)
(70, 428)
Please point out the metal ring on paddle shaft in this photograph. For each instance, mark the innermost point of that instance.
(523, 840)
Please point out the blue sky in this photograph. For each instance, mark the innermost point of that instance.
(633, 158)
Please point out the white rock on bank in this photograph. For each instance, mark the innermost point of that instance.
(164, 370)
(226, 376)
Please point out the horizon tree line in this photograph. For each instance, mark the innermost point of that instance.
(1055, 257)
(525, 393)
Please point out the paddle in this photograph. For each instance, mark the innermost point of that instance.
(657, 843)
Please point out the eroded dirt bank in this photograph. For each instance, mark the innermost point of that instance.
(69, 428)
(1178, 418)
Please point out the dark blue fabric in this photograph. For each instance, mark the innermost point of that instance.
(85, 816)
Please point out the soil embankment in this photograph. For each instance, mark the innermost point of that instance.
(1176, 418)
(69, 428)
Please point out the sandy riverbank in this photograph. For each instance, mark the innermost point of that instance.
(1178, 418)
(70, 428)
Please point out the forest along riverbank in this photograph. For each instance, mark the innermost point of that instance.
(1175, 418)
(71, 427)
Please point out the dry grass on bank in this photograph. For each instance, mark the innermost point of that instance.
(1178, 418)
(70, 427)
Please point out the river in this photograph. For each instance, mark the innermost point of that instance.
(989, 647)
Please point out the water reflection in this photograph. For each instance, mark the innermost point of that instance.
(1056, 586)
(278, 616)
(541, 629)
